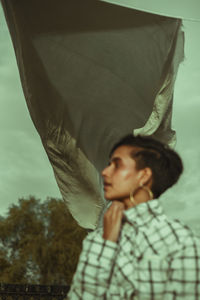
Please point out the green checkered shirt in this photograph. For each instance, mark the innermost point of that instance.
(155, 258)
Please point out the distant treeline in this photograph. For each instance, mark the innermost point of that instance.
(39, 243)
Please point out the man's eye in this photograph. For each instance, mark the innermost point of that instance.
(114, 163)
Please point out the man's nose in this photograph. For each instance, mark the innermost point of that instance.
(105, 171)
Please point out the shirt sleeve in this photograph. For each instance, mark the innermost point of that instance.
(184, 273)
(94, 269)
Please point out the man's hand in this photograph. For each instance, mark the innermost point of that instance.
(112, 221)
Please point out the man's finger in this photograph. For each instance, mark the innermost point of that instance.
(114, 208)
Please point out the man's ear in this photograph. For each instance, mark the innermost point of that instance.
(145, 176)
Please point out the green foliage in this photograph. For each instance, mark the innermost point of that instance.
(39, 243)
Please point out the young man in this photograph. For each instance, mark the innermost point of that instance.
(139, 253)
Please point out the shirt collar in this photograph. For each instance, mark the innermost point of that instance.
(143, 213)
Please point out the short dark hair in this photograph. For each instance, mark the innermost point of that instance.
(165, 164)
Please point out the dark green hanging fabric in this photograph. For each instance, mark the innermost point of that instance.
(92, 72)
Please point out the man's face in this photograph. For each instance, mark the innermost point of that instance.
(121, 176)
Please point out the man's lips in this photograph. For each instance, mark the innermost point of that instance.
(106, 185)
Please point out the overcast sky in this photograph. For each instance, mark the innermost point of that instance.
(25, 169)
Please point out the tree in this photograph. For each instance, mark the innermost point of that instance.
(39, 243)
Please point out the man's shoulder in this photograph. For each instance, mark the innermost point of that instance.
(167, 236)
(180, 228)
(183, 236)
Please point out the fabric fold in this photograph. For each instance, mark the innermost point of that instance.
(91, 73)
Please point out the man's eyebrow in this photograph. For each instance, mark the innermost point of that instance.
(115, 159)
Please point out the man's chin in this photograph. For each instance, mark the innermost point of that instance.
(113, 198)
